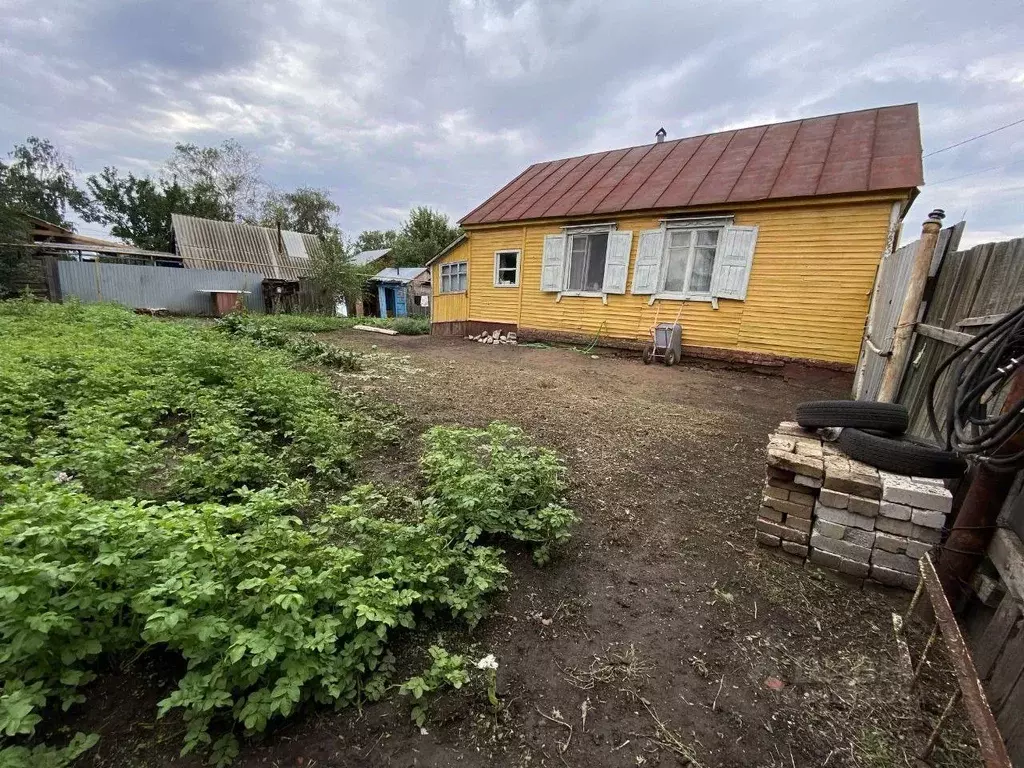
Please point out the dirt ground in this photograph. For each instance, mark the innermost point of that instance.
(661, 635)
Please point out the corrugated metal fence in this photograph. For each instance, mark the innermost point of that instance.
(179, 291)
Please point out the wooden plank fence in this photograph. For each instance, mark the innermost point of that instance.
(972, 289)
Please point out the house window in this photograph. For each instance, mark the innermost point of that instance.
(690, 261)
(453, 277)
(506, 269)
(587, 253)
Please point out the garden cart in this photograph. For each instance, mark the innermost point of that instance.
(666, 341)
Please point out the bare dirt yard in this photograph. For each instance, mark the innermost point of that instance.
(661, 635)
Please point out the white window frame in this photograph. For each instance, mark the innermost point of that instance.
(584, 229)
(497, 262)
(692, 225)
(451, 266)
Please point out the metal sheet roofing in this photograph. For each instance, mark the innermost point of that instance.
(363, 258)
(399, 275)
(866, 151)
(227, 245)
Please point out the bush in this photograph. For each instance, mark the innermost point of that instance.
(164, 485)
(410, 326)
(304, 348)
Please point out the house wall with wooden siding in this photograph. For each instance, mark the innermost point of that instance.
(449, 307)
(810, 283)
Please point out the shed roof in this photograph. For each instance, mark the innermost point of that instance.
(210, 244)
(399, 275)
(363, 258)
(870, 150)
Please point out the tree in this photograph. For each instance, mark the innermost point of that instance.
(229, 169)
(422, 235)
(39, 181)
(304, 210)
(138, 209)
(375, 240)
(333, 270)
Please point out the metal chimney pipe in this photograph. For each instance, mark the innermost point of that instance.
(660, 135)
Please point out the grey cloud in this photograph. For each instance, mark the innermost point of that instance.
(399, 103)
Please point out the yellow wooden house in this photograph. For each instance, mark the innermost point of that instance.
(763, 241)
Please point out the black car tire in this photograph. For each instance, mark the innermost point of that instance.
(884, 417)
(900, 456)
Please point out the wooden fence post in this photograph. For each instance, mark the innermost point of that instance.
(904, 333)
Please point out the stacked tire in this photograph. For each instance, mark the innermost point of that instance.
(873, 433)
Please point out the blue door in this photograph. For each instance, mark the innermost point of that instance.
(399, 301)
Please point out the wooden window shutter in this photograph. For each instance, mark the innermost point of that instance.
(648, 261)
(732, 263)
(616, 262)
(553, 263)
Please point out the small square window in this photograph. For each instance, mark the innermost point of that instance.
(506, 269)
(453, 277)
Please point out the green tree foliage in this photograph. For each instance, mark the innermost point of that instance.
(306, 210)
(334, 270)
(421, 236)
(138, 209)
(39, 180)
(231, 170)
(374, 240)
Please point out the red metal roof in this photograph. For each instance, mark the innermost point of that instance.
(866, 151)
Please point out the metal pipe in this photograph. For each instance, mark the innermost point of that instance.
(975, 523)
(904, 334)
(924, 654)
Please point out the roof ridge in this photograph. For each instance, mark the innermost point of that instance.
(740, 128)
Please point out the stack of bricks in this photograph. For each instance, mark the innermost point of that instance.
(795, 473)
(819, 504)
(877, 525)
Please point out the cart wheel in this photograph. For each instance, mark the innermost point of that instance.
(670, 357)
(648, 355)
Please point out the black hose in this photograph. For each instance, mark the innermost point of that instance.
(976, 425)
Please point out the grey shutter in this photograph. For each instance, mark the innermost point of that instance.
(732, 263)
(616, 261)
(647, 269)
(553, 263)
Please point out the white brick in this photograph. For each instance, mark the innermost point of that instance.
(862, 506)
(860, 538)
(842, 548)
(928, 518)
(905, 490)
(893, 578)
(927, 535)
(918, 549)
(895, 527)
(890, 543)
(837, 563)
(893, 561)
(895, 511)
(810, 482)
(843, 517)
(832, 530)
(834, 499)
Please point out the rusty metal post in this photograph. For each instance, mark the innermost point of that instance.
(904, 334)
(934, 738)
(975, 523)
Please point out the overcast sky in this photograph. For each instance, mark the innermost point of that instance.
(424, 102)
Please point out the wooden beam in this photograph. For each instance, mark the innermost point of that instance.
(944, 334)
(971, 322)
(1006, 551)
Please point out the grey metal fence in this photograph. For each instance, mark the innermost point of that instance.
(179, 291)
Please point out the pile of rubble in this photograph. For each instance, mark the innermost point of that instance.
(845, 515)
(495, 337)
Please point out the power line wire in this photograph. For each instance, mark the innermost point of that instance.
(975, 173)
(979, 136)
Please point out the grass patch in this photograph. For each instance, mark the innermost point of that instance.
(171, 486)
(407, 326)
